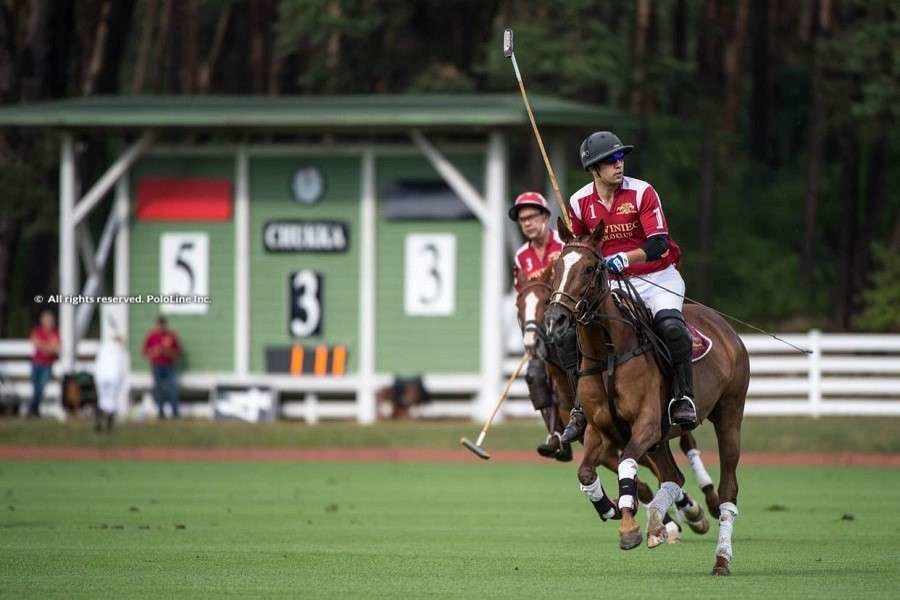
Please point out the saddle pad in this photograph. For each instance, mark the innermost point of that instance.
(700, 344)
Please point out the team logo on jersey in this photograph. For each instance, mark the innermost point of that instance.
(626, 208)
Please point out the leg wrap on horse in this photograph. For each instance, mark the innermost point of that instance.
(567, 352)
(627, 487)
(703, 478)
(602, 504)
(669, 324)
(538, 385)
(668, 493)
(726, 524)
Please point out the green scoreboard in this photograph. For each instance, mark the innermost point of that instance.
(302, 227)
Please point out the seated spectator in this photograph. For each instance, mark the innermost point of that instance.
(403, 395)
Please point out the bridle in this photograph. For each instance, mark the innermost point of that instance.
(532, 324)
(584, 308)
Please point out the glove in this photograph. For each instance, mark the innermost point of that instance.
(617, 263)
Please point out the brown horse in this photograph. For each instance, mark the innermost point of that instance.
(531, 303)
(582, 298)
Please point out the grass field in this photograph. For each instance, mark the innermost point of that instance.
(775, 434)
(485, 530)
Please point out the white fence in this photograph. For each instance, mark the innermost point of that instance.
(845, 375)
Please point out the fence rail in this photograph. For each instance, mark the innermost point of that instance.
(845, 374)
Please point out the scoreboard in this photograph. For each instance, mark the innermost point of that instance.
(304, 258)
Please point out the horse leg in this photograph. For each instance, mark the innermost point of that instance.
(704, 481)
(728, 432)
(669, 493)
(644, 434)
(588, 478)
(610, 460)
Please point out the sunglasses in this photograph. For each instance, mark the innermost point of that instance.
(613, 158)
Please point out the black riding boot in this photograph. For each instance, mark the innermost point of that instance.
(542, 400)
(673, 331)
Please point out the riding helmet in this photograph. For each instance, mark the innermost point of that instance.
(599, 145)
(528, 199)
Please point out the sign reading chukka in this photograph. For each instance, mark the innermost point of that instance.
(306, 236)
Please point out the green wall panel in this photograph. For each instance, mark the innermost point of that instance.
(271, 199)
(418, 344)
(208, 340)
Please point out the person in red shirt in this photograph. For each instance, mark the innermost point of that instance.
(45, 340)
(542, 246)
(162, 349)
(636, 241)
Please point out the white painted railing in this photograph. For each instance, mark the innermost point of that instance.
(846, 374)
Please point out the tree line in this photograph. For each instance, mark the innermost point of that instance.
(767, 127)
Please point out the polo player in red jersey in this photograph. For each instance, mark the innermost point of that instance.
(636, 241)
(533, 258)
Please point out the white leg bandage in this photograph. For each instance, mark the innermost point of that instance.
(668, 493)
(595, 493)
(628, 472)
(728, 511)
(700, 474)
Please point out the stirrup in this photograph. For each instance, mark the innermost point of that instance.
(692, 422)
(576, 426)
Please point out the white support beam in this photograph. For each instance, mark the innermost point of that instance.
(112, 175)
(68, 267)
(94, 281)
(456, 180)
(242, 263)
(365, 393)
(86, 245)
(121, 209)
(492, 275)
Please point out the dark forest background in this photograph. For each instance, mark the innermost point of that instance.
(769, 128)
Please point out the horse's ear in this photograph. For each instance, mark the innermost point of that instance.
(597, 233)
(564, 232)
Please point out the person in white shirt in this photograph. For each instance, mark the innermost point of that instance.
(110, 371)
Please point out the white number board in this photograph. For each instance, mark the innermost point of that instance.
(184, 270)
(305, 303)
(430, 280)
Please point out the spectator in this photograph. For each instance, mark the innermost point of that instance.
(45, 339)
(162, 349)
(110, 371)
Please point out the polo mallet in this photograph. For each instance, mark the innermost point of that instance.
(508, 53)
(476, 447)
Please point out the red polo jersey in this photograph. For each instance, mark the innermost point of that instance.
(162, 347)
(635, 215)
(43, 336)
(529, 265)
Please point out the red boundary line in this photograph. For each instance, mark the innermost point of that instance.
(403, 455)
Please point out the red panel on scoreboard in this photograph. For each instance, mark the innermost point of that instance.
(183, 199)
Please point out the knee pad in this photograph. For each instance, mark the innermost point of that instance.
(567, 350)
(538, 387)
(670, 325)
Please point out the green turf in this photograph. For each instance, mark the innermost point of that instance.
(480, 530)
(833, 434)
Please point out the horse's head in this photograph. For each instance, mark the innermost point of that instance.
(530, 304)
(579, 277)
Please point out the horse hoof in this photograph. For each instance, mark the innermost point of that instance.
(546, 451)
(695, 519)
(630, 539)
(674, 533)
(656, 530)
(721, 567)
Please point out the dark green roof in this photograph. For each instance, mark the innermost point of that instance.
(428, 111)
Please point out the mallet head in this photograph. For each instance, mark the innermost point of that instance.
(477, 450)
(507, 43)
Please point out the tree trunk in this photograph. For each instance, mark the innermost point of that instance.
(148, 28)
(849, 193)
(639, 56)
(874, 203)
(707, 209)
(261, 14)
(680, 30)
(761, 96)
(215, 50)
(9, 236)
(188, 38)
(734, 52)
(98, 53)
